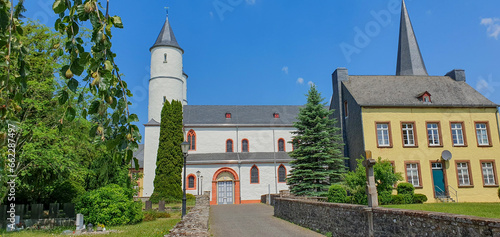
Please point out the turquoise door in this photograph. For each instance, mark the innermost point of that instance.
(438, 176)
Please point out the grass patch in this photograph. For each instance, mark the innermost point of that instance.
(488, 210)
(156, 228)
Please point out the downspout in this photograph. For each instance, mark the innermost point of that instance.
(239, 160)
(498, 122)
(274, 158)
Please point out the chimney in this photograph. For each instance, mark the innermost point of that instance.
(457, 74)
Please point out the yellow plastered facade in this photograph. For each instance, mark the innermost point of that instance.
(425, 155)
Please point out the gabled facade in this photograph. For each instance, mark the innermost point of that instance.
(416, 121)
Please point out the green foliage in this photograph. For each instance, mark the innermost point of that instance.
(152, 215)
(110, 205)
(190, 197)
(169, 159)
(317, 158)
(402, 199)
(498, 192)
(406, 188)
(385, 198)
(419, 198)
(385, 179)
(337, 193)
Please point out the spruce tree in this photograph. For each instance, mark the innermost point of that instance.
(317, 158)
(169, 159)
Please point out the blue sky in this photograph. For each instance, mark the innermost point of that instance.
(256, 52)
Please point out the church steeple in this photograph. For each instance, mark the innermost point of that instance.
(410, 60)
(166, 37)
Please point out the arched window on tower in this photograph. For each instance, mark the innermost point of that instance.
(191, 139)
(282, 174)
(244, 145)
(229, 145)
(191, 182)
(254, 175)
(165, 58)
(281, 144)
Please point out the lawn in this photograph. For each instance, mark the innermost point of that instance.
(489, 210)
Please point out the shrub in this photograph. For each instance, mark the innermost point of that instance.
(385, 198)
(419, 198)
(190, 197)
(149, 216)
(348, 199)
(110, 205)
(337, 193)
(405, 188)
(498, 192)
(397, 199)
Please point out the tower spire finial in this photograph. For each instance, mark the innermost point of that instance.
(166, 9)
(410, 61)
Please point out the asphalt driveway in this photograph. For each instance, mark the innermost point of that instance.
(253, 220)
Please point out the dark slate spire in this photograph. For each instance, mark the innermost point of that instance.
(166, 37)
(410, 60)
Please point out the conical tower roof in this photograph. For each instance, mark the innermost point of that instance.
(410, 60)
(166, 37)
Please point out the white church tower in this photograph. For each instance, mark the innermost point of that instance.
(167, 82)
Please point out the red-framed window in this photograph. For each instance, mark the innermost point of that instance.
(191, 139)
(281, 174)
(191, 182)
(254, 175)
(281, 144)
(244, 145)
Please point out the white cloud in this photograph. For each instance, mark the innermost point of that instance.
(493, 26)
(211, 14)
(310, 83)
(300, 80)
(285, 69)
(250, 2)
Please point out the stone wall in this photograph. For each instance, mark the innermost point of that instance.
(195, 223)
(353, 220)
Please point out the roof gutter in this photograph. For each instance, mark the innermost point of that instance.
(430, 105)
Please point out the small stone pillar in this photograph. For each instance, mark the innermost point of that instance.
(371, 187)
(79, 223)
(161, 205)
(149, 205)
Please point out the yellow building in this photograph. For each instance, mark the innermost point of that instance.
(438, 131)
(137, 175)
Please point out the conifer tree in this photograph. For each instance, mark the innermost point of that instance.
(317, 158)
(169, 159)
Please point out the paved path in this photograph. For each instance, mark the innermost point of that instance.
(254, 220)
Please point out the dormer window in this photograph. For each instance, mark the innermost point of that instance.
(228, 115)
(165, 58)
(425, 97)
(276, 115)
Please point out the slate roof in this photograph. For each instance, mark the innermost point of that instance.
(240, 115)
(166, 37)
(399, 91)
(139, 154)
(410, 61)
(244, 157)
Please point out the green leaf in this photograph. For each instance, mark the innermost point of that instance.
(133, 118)
(117, 21)
(136, 163)
(63, 97)
(130, 156)
(59, 6)
(77, 68)
(70, 114)
(94, 107)
(84, 114)
(108, 66)
(93, 130)
(73, 85)
(80, 98)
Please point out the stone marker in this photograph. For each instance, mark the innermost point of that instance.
(149, 205)
(69, 210)
(79, 222)
(371, 188)
(161, 205)
(36, 211)
(54, 210)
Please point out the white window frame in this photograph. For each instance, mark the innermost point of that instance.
(383, 135)
(488, 173)
(433, 134)
(412, 174)
(408, 134)
(482, 134)
(463, 174)
(457, 134)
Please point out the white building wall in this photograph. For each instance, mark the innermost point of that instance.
(260, 139)
(248, 192)
(152, 136)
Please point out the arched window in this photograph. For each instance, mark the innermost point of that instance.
(191, 139)
(229, 145)
(164, 58)
(254, 175)
(281, 144)
(244, 145)
(191, 181)
(281, 174)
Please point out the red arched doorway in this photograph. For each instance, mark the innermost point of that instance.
(225, 187)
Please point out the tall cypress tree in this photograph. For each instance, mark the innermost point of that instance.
(169, 159)
(318, 161)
